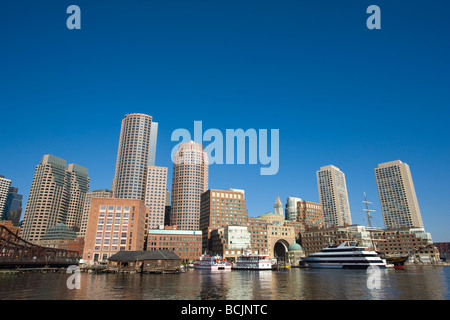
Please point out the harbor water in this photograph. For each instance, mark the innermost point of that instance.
(412, 283)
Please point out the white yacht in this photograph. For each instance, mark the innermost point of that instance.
(346, 255)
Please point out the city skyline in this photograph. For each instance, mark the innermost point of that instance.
(343, 96)
(281, 206)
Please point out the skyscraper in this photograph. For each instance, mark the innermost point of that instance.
(132, 157)
(189, 181)
(155, 196)
(4, 190)
(397, 195)
(333, 196)
(153, 141)
(13, 207)
(56, 195)
(78, 184)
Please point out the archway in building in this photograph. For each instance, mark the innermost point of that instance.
(280, 250)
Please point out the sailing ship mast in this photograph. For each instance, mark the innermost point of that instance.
(368, 217)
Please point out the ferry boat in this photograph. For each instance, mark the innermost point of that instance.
(346, 255)
(212, 262)
(249, 261)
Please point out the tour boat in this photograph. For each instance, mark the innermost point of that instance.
(347, 255)
(212, 262)
(249, 261)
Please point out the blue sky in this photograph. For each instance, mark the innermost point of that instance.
(338, 92)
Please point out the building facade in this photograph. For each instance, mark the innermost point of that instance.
(132, 157)
(291, 208)
(187, 244)
(114, 225)
(272, 235)
(13, 207)
(444, 250)
(231, 241)
(5, 184)
(57, 235)
(98, 193)
(189, 181)
(77, 179)
(56, 195)
(221, 208)
(310, 215)
(315, 240)
(269, 233)
(155, 196)
(398, 199)
(333, 196)
(414, 242)
(153, 142)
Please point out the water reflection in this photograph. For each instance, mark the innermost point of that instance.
(423, 283)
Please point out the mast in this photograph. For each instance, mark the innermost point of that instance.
(367, 209)
(368, 217)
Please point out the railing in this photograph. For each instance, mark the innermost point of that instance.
(16, 251)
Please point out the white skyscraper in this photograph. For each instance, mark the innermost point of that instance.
(397, 195)
(333, 196)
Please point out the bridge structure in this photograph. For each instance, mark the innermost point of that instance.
(16, 252)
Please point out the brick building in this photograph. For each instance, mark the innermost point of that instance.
(187, 244)
(114, 225)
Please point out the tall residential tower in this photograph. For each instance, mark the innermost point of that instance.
(333, 196)
(56, 196)
(397, 195)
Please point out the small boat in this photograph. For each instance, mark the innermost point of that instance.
(250, 261)
(212, 262)
(345, 256)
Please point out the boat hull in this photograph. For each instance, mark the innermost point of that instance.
(397, 262)
(212, 262)
(214, 268)
(252, 267)
(345, 256)
(344, 265)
